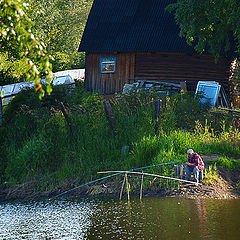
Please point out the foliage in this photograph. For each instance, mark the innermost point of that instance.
(18, 41)
(208, 23)
(11, 70)
(211, 175)
(33, 30)
(187, 109)
(227, 163)
(37, 143)
(60, 24)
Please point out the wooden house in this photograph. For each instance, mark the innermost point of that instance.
(128, 40)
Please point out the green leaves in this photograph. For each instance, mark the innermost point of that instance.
(60, 24)
(17, 39)
(32, 31)
(208, 23)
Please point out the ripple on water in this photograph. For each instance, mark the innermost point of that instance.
(45, 220)
(154, 218)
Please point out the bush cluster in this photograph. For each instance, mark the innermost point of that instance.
(37, 143)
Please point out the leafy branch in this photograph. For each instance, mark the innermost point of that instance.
(209, 24)
(17, 39)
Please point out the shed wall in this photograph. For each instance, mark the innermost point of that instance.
(108, 83)
(172, 67)
(182, 67)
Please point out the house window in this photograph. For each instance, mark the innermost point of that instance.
(108, 64)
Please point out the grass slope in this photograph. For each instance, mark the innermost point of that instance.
(38, 145)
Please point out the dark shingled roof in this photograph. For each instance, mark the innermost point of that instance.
(132, 26)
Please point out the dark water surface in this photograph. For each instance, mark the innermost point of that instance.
(153, 218)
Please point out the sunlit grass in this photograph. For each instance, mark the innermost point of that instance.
(38, 144)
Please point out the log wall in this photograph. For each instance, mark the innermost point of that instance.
(172, 67)
(175, 67)
(108, 83)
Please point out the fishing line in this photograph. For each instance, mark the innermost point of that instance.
(99, 179)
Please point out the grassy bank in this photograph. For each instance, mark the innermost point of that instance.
(38, 145)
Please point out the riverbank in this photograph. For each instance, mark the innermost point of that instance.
(45, 152)
(223, 186)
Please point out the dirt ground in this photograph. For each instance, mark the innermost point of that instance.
(225, 186)
(222, 188)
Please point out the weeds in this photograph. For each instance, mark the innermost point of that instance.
(37, 144)
(211, 175)
(227, 163)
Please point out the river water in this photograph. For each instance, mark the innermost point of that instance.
(94, 218)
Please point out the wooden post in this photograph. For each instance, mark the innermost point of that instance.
(141, 188)
(176, 170)
(121, 192)
(124, 151)
(110, 115)
(215, 119)
(236, 123)
(127, 187)
(1, 120)
(181, 171)
(183, 85)
(158, 108)
(230, 117)
(68, 120)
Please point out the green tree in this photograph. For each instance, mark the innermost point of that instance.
(11, 69)
(18, 42)
(209, 23)
(60, 24)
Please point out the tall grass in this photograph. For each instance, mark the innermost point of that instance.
(38, 145)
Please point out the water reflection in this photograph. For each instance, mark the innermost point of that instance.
(202, 215)
(153, 218)
(166, 218)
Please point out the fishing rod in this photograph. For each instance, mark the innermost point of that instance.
(151, 174)
(117, 173)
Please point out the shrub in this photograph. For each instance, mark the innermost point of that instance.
(228, 163)
(211, 175)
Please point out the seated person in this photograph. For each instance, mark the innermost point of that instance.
(194, 165)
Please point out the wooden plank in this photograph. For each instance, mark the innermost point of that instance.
(184, 61)
(229, 110)
(186, 67)
(132, 65)
(109, 82)
(178, 78)
(183, 86)
(182, 74)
